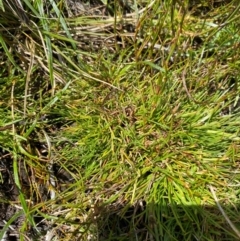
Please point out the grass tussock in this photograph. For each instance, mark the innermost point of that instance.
(120, 120)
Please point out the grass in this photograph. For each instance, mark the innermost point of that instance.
(121, 123)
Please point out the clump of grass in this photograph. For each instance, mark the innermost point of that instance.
(132, 133)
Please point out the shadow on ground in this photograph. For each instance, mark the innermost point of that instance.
(171, 222)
